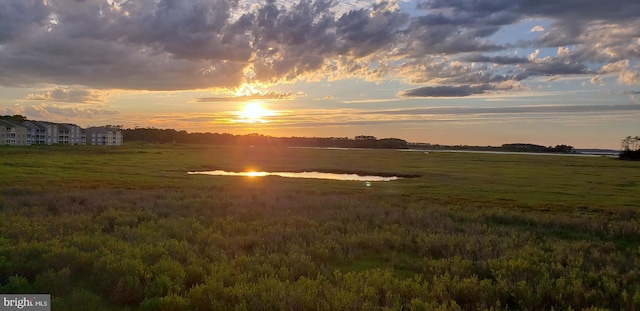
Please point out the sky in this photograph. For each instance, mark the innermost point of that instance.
(455, 72)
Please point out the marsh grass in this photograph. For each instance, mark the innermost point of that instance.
(128, 228)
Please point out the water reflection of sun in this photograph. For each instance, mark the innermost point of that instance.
(254, 174)
(254, 112)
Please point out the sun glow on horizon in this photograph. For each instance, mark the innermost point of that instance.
(254, 112)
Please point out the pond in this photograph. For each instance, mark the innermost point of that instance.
(316, 175)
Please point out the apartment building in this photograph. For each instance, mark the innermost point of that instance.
(43, 133)
(70, 134)
(37, 132)
(49, 133)
(103, 136)
(13, 133)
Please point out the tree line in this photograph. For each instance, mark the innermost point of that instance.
(155, 135)
(537, 148)
(513, 147)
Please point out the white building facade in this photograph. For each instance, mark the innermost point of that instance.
(14, 134)
(37, 132)
(43, 133)
(48, 133)
(52, 135)
(103, 136)
(70, 134)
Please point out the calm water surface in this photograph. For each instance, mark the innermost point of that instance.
(316, 175)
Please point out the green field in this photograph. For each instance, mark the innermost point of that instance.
(115, 228)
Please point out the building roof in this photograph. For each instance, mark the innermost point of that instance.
(34, 124)
(103, 129)
(62, 126)
(10, 123)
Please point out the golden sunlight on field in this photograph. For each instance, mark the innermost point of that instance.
(254, 112)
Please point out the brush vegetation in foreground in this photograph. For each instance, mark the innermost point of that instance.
(127, 228)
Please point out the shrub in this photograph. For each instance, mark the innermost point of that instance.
(166, 303)
(16, 285)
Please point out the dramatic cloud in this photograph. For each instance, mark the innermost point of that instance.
(53, 112)
(445, 91)
(68, 95)
(570, 109)
(364, 32)
(499, 60)
(625, 74)
(629, 77)
(246, 98)
(197, 44)
(537, 28)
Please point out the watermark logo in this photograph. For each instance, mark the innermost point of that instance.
(25, 302)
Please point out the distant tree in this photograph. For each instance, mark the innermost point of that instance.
(365, 141)
(630, 148)
(365, 137)
(537, 148)
(524, 148)
(155, 135)
(16, 118)
(631, 143)
(391, 143)
(563, 149)
(19, 118)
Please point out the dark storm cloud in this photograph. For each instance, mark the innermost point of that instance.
(194, 44)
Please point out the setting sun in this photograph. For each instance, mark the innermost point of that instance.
(254, 112)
